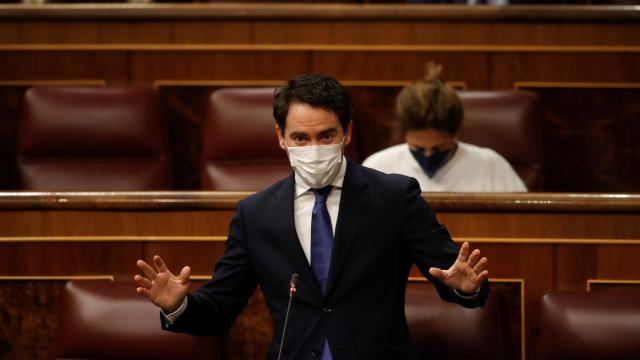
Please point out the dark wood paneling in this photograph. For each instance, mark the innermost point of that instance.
(185, 109)
(127, 223)
(509, 68)
(29, 317)
(11, 105)
(150, 66)
(596, 130)
(470, 67)
(69, 258)
(200, 256)
(110, 66)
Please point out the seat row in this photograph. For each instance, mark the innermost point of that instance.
(101, 319)
(82, 139)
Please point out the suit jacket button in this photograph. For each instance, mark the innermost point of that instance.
(327, 309)
(315, 353)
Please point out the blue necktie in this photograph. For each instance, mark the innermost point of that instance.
(321, 237)
(321, 245)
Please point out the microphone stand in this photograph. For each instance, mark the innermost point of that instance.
(293, 288)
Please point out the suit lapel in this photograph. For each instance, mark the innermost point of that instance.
(285, 222)
(353, 203)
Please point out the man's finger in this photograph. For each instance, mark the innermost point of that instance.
(143, 292)
(473, 258)
(484, 275)
(184, 274)
(464, 252)
(142, 281)
(437, 273)
(480, 265)
(147, 270)
(159, 263)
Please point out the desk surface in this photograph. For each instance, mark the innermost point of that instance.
(447, 202)
(326, 11)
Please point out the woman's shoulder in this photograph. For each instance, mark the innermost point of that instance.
(385, 156)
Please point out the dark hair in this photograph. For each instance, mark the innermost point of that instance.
(317, 90)
(429, 103)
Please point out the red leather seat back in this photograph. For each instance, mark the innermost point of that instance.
(109, 320)
(508, 122)
(239, 146)
(594, 325)
(93, 139)
(443, 330)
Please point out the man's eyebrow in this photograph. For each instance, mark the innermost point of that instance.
(329, 131)
(296, 134)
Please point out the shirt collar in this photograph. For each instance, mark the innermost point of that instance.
(302, 188)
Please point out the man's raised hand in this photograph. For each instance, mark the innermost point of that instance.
(466, 274)
(159, 285)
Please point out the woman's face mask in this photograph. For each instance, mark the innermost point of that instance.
(317, 165)
(442, 146)
(432, 163)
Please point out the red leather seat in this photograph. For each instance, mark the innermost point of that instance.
(443, 330)
(509, 123)
(593, 325)
(109, 320)
(93, 139)
(239, 146)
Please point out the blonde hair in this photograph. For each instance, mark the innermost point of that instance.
(429, 103)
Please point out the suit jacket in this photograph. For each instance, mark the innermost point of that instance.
(383, 227)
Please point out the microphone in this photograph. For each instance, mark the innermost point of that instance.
(293, 288)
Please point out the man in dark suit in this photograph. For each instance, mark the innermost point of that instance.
(351, 233)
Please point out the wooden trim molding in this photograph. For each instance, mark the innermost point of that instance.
(200, 277)
(325, 48)
(548, 241)
(223, 239)
(119, 239)
(214, 200)
(79, 82)
(57, 277)
(221, 83)
(519, 85)
(591, 282)
(256, 83)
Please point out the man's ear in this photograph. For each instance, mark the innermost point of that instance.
(347, 133)
(280, 137)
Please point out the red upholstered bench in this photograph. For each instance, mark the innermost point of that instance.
(82, 139)
(508, 122)
(109, 320)
(443, 330)
(590, 325)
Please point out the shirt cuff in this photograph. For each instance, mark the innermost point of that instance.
(171, 318)
(467, 297)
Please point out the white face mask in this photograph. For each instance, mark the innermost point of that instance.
(317, 165)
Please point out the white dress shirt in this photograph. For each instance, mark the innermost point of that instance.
(303, 200)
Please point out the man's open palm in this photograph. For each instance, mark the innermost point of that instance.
(163, 288)
(466, 274)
